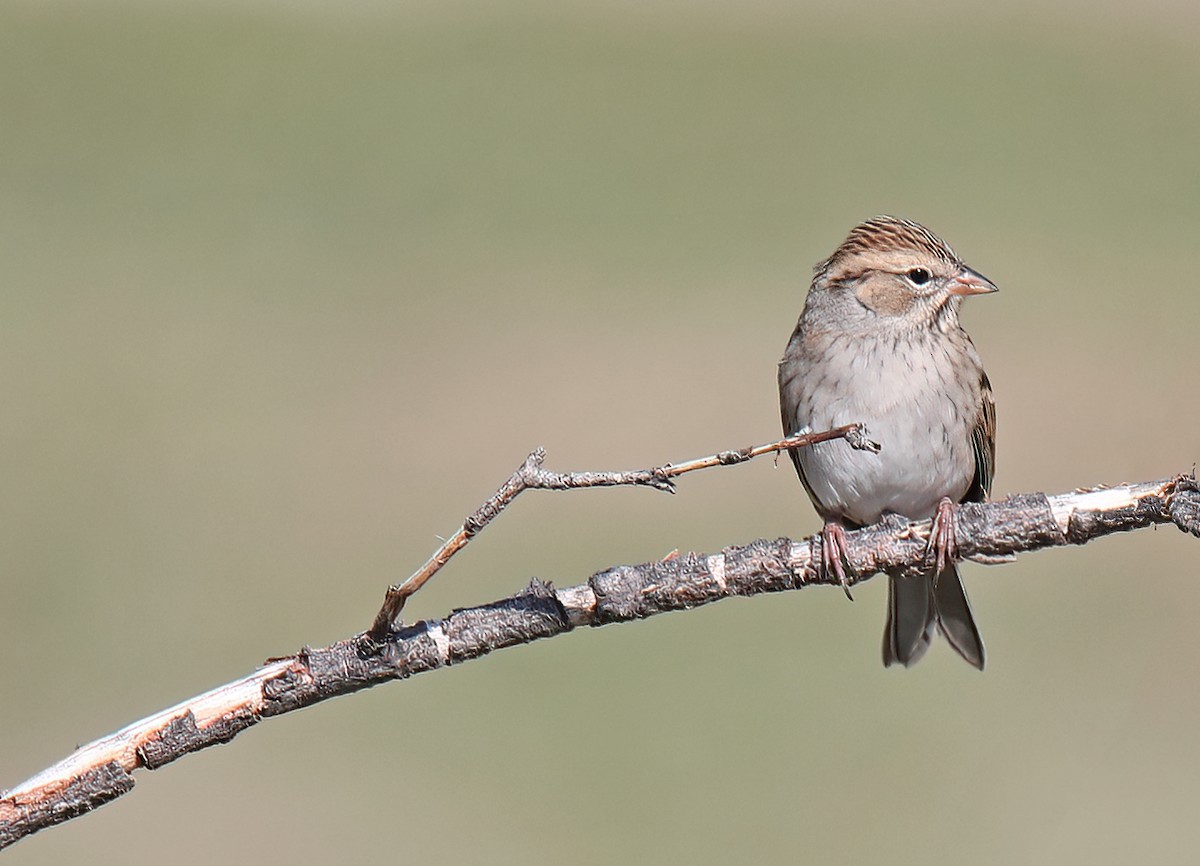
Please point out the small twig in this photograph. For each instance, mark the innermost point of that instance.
(531, 476)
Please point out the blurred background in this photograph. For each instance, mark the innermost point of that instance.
(287, 289)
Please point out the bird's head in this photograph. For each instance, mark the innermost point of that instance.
(897, 271)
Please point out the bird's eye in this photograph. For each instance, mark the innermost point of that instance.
(919, 276)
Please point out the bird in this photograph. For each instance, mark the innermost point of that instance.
(879, 342)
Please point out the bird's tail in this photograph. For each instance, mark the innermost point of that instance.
(919, 605)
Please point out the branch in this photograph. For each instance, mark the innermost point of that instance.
(531, 476)
(103, 770)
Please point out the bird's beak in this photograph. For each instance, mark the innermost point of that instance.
(969, 282)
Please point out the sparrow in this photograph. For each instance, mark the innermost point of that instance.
(879, 342)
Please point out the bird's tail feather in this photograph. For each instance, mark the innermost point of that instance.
(919, 605)
(911, 620)
(954, 617)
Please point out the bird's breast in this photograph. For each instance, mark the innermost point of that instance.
(919, 400)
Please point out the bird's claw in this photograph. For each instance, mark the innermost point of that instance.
(833, 553)
(943, 547)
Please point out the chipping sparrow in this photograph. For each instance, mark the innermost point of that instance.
(879, 342)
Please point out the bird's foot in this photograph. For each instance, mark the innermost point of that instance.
(833, 554)
(943, 547)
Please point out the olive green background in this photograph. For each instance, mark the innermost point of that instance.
(286, 289)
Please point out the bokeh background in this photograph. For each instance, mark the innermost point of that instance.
(287, 288)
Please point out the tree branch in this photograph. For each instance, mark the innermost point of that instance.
(992, 532)
(531, 476)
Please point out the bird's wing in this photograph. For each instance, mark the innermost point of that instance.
(790, 370)
(983, 443)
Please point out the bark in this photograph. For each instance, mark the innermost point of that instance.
(991, 533)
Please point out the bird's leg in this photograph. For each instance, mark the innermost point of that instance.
(942, 544)
(833, 554)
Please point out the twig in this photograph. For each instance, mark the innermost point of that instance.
(103, 770)
(531, 476)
